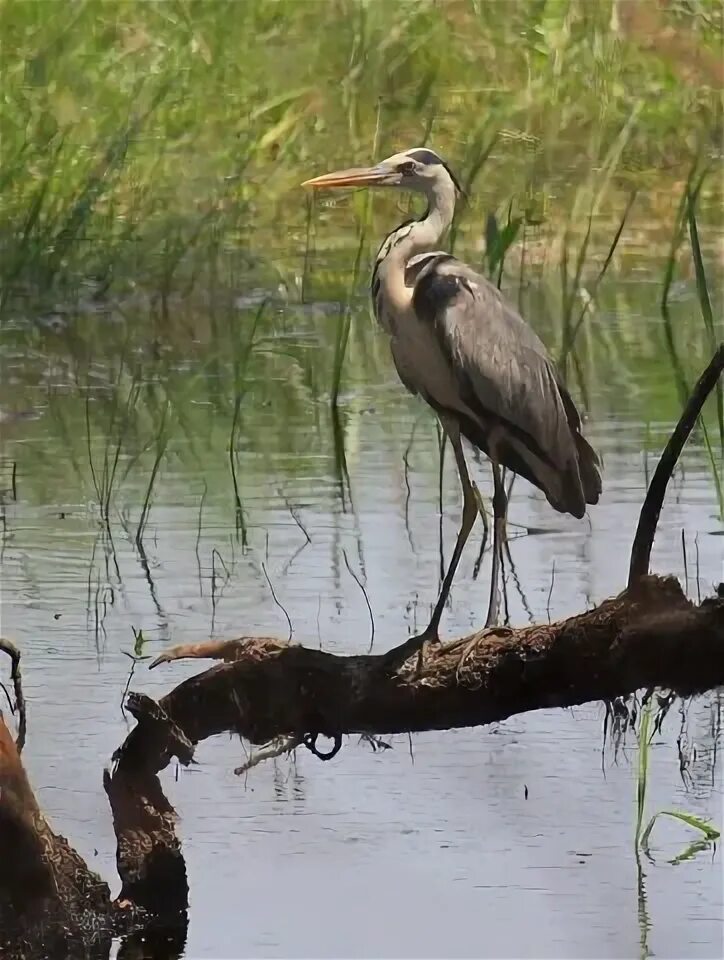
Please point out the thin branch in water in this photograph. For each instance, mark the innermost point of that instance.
(516, 581)
(340, 460)
(550, 590)
(406, 474)
(161, 442)
(198, 540)
(276, 601)
(146, 567)
(14, 481)
(288, 565)
(504, 584)
(295, 516)
(486, 529)
(698, 581)
(214, 596)
(364, 594)
(686, 565)
(89, 445)
(238, 508)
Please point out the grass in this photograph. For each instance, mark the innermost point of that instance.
(91, 158)
(686, 217)
(142, 194)
(642, 835)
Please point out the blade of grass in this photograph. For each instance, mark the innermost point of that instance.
(703, 292)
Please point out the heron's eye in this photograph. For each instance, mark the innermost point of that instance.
(407, 169)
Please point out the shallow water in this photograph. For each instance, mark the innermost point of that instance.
(509, 841)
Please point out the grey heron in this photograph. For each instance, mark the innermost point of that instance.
(457, 343)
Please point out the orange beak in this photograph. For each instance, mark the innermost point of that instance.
(354, 177)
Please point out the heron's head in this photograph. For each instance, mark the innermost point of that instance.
(419, 169)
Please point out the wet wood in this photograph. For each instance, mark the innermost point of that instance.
(648, 636)
(48, 896)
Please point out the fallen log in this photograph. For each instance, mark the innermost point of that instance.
(284, 695)
(648, 636)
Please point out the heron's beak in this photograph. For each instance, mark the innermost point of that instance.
(355, 177)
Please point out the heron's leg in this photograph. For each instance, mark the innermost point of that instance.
(470, 512)
(500, 506)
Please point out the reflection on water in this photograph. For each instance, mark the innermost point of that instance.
(439, 846)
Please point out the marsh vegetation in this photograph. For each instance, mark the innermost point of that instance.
(203, 431)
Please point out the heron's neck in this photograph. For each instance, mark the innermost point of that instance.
(405, 241)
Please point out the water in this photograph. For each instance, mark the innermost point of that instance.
(508, 841)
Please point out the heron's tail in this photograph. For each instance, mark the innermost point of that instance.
(588, 468)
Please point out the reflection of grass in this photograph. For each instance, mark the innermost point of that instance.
(686, 216)
(642, 834)
(708, 832)
(644, 739)
(161, 442)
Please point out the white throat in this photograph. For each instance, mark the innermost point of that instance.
(391, 297)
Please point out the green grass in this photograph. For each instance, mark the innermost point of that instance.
(642, 835)
(150, 174)
(135, 134)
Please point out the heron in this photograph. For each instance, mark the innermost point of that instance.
(459, 345)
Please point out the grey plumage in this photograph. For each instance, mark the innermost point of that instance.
(458, 344)
(507, 385)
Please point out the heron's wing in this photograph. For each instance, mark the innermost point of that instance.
(505, 376)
